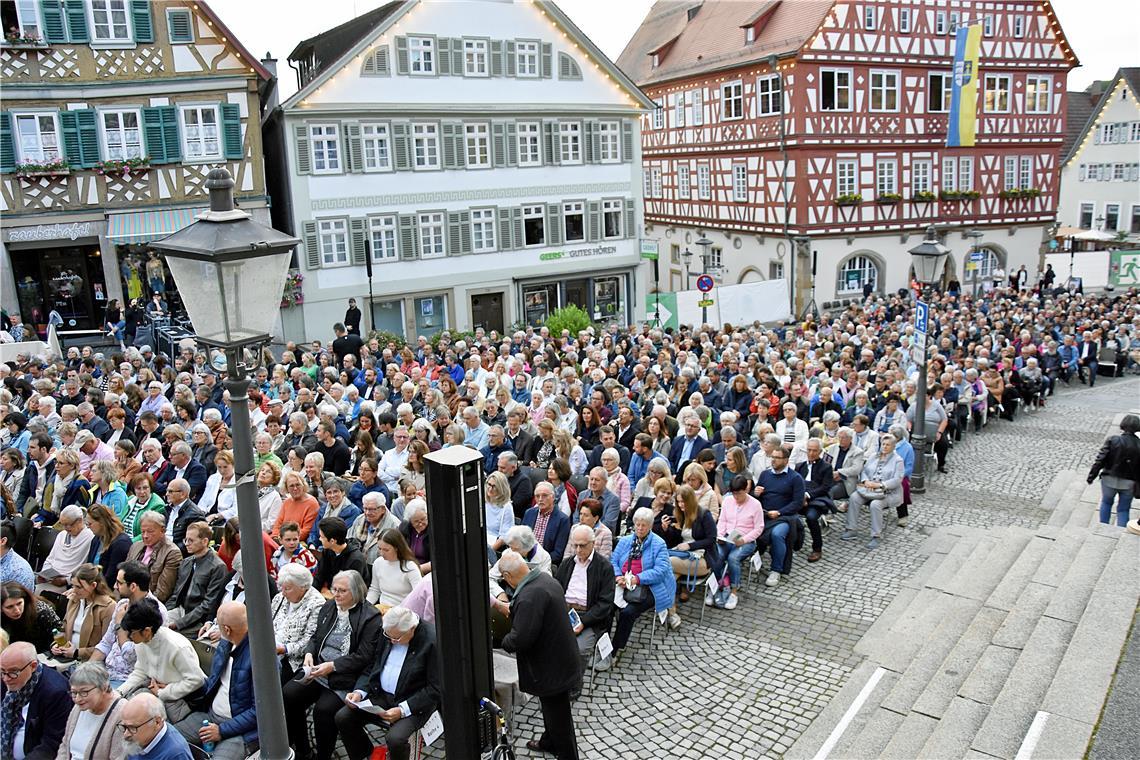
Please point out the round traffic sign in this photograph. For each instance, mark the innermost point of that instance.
(705, 283)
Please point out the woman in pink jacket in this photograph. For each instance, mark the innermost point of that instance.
(741, 522)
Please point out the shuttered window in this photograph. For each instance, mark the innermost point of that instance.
(201, 135)
(179, 25)
(574, 221)
(611, 218)
(475, 58)
(421, 56)
(333, 234)
(325, 140)
(111, 21)
(568, 67)
(483, 230)
(431, 229)
(376, 63)
(382, 232)
(570, 142)
(526, 59)
(7, 144)
(608, 139)
(377, 148)
(37, 137)
(530, 143)
(80, 130)
(122, 135)
(425, 144)
(534, 225)
(160, 129)
(477, 141)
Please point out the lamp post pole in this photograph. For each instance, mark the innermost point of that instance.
(270, 704)
(704, 243)
(918, 477)
(974, 236)
(928, 257)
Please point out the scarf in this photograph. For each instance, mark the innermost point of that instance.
(637, 548)
(11, 713)
(58, 491)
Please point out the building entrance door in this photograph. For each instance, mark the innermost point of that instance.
(578, 293)
(487, 311)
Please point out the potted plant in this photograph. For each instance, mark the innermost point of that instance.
(125, 167)
(58, 168)
(17, 39)
(292, 295)
(849, 199)
(959, 195)
(1015, 193)
(888, 198)
(923, 196)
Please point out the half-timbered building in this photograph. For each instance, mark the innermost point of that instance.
(809, 137)
(114, 112)
(469, 164)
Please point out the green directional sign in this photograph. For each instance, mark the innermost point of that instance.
(1124, 269)
(667, 309)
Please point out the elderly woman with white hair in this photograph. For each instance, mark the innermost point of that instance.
(643, 573)
(69, 551)
(92, 726)
(415, 531)
(791, 429)
(343, 647)
(616, 481)
(521, 539)
(295, 610)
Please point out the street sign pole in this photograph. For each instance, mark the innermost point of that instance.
(705, 283)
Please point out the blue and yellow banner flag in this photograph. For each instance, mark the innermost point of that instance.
(964, 95)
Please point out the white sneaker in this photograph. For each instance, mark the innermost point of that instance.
(710, 598)
(773, 579)
(903, 521)
(674, 621)
(731, 603)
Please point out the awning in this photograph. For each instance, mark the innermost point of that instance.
(145, 226)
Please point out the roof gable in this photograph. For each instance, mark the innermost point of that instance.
(339, 81)
(1130, 78)
(715, 38)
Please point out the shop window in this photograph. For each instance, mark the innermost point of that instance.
(38, 137)
(573, 221)
(1086, 218)
(607, 298)
(200, 133)
(534, 225)
(855, 272)
(431, 314)
(121, 135)
(1134, 222)
(1111, 216)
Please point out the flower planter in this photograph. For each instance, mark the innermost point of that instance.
(888, 201)
(122, 171)
(24, 45)
(43, 173)
(847, 201)
(926, 198)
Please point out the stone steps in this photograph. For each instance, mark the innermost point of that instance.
(996, 627)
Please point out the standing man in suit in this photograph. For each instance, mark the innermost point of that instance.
(818, 481)
(686, 447)
(541, 638)
(1087, 354)
(588, 582)
(35, 705)
(403, 683)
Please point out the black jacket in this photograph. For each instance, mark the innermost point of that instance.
(418, 684)
(199, 587)
(1119, 457)
(47, 715)
(599, 590)
(522, 492)
(189, 513)
(306, 440)
(337, 456)
(30, 483)
(595, 458)
(329, 563)
(819, 487)
(364, 619)
(542, 639)
(522, 444)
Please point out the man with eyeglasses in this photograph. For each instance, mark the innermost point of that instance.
(146, 735)
(588, 581)
(34, 705)
(781, 495)
(392, 465)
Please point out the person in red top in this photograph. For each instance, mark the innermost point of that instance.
(299, 507)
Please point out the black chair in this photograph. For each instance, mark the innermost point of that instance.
(580, 483)
(42, 542)
(536, 474)
(23, 528)
(56, 600)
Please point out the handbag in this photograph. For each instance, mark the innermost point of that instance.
(636, 595)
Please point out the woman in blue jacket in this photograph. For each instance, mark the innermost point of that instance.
(641, 561)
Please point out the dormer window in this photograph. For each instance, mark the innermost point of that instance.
(694, 11)
(749, 35)
(656, 60)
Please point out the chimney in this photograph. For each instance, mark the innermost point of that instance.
(272, 101)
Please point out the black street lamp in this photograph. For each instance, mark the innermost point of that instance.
(928, 258)
(975, 236)
(230, 272)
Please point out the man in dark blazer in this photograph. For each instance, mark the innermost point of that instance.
(181, 513)
(182, 465)
(818, 481)
(627, 427)
(97, 425)
(588, 582)
(44, 692)
(39, 458)
(541, 638)
(403, 686)
(556, 530)
(520, 440)
(201, 582)
(1087, 353)
(686, 447)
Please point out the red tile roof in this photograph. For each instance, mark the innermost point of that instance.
(713, 39)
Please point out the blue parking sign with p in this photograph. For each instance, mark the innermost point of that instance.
(920, 317)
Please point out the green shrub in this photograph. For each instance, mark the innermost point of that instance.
(385, 337)
(572, 318)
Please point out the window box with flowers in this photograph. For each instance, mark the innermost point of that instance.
(1016, 193)
(293, 295)
(33, 169)
(923, 196)
(850, 199)
(125, 167)
(888, 198)
(19, 41)
(959, 195)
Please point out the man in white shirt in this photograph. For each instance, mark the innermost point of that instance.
(225, 713)
(392, 465)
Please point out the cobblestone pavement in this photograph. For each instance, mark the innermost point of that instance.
(746, 683)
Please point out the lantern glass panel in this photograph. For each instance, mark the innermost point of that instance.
(233, 301)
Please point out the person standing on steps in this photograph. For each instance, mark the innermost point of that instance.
(1118, 465)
